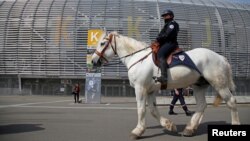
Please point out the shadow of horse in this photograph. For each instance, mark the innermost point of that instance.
(19, 128)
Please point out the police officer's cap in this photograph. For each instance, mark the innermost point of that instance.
(167, 11)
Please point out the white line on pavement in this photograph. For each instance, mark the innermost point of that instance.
(64, 107)
(24, 104)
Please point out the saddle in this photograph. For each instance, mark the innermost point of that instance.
(155, 48)
(177, 57)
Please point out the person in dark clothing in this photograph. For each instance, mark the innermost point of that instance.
(76, 92)
(178, 94)
(167, 39)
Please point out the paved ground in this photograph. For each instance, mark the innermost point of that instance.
(57, 118)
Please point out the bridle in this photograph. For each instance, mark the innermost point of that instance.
(114, 48)
(101, 54)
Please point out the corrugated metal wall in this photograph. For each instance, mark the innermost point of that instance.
(47, 38)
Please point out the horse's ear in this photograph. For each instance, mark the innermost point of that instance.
(106, 34)
(104, 29)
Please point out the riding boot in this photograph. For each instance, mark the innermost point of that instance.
(164, 74)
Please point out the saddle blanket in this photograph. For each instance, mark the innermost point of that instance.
(181, 58)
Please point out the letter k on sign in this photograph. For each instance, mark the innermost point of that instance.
(93, 37)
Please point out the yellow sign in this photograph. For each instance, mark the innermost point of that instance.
(93, 37)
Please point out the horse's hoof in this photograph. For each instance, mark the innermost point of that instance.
(188, 133)
(134, 137)
(171, 127)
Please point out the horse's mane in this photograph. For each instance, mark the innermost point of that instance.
(132, 45)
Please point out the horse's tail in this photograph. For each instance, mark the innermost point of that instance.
(231, 84)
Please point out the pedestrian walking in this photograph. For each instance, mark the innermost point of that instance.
(178, 95)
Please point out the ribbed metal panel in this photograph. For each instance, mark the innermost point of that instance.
(48, 37)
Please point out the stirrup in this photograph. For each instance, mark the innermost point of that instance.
(160, 79)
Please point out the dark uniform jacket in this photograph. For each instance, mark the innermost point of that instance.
(168, 33)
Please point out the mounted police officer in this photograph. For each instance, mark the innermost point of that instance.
(167, 40)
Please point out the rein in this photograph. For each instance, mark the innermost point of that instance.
(119, 58)
(111, 36)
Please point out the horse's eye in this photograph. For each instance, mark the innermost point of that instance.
(103, 43)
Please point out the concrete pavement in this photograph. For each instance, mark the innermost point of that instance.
(57, 118)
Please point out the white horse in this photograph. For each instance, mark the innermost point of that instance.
(215, 71)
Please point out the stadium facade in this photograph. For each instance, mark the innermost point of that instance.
(43, 42)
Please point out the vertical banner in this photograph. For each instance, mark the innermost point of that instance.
(93, 88)
(93, 74)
